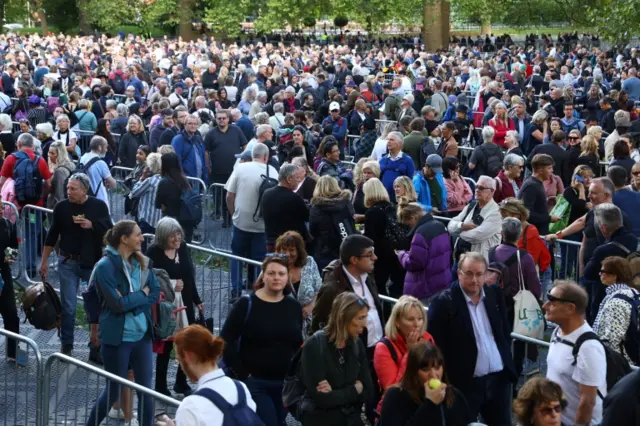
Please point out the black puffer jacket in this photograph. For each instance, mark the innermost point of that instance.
(129, 144)
(324, 217)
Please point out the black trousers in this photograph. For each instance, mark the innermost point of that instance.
(8, 309)
(371, 404)
(162, 360)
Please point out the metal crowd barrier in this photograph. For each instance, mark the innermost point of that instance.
(349, 165)
(22, 384)
(221, 227)
(11, 213)
(351, 144)
(200, 233)
(35, 222)
(74, 387)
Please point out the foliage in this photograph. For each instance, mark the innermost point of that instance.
(145, 14)
(340, 21)
(63, 14)
(15, 11)
(309, 21)
(221, 18)
(615, 20)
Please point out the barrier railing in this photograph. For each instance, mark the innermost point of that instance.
(200, 233)
(75, 386)
(11, 213)
(351, 144)
(221, 228)
(22, 384)
(35, 223)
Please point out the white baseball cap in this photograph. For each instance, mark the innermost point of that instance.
(334, 106)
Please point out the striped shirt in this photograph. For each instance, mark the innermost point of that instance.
(146, 191)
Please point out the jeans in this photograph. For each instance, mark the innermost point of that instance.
(32, 233)
(267, 395)
(117, 360)
(8, 309)
(546, 282)
(70, 272)
(489, 396)
(250, 245)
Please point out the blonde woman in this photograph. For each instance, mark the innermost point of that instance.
(501, 123)
(589, 153)
(65, 134)
(130, 141)
(330, 218)
(403, 187)
(406, 326)
(334, 366)
(364, 170)
(61, 167)
(377, 221)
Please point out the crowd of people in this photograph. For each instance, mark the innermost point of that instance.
(467, 166)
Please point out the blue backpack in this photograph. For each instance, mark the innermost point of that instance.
(191, 206)
(28, 182)
(234, 415)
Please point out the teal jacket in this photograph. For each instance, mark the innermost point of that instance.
(424, 194)
(110, 279)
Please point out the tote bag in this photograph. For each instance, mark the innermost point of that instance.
(528, 319)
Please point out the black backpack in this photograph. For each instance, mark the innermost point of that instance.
(84, 168)
(631, 342)
(492, 162)
(41, 305)
(233, 415)
(267, 183)
(396, 232)
(617, 365)
(28, 182)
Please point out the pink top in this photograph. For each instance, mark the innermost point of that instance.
(458, 194)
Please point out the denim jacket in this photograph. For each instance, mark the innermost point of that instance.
(110, 279)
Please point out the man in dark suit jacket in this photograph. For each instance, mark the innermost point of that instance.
(481, 370)
(8, 78)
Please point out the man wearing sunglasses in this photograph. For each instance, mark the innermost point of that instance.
(581, 382)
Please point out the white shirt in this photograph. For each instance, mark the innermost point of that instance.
(379, 149)
(590, 370)
(374, 327)
(245, 183)
(196, 410)
(488, 359)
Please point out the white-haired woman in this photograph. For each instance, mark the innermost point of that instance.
(44, 133)
(248, 97)
(380, 147)
(65, 134)
(171, 253)
(87, 121)
(61, 167)
(6, 134)
(130, 141)
(144, 191)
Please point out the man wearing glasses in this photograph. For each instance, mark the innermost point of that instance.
(468, 321)
(583, 382)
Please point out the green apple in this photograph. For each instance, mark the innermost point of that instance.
(435, 383)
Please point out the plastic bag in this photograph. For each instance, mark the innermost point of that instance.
(562, 209)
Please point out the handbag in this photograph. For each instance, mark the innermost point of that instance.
(528, 319)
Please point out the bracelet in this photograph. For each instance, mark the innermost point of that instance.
(560, 235)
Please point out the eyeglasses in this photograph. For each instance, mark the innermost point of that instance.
(548, 411)
(335, 110)
(573, 138)
(222, 118)
(369, 255)
(635, 173)
(553, 298)
(470, 274)
(482, 188)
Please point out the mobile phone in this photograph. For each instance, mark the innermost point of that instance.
(578, 178)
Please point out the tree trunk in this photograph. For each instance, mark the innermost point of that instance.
(43, 22)
(432, 25)
(485, 26)
(185, 28)
(83, 19)
(1, 16)
(445, 15)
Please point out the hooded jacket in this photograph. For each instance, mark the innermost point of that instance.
(428, 260)
(424, 192)
(323, 219)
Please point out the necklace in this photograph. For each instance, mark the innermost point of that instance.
(340, 356)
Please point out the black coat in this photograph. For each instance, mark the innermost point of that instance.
(399, 409)
(449, 322)
(323, 218)
(621, 407)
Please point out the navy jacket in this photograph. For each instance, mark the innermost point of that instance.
(449, 322)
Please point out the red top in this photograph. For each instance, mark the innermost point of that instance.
(501, 130)
(536, 247)
(389, 373)
(10, 162)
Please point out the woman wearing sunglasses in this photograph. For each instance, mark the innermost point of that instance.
(615, 312)
(334, 367)
(540, 402)
(424, 396)
(258, 351)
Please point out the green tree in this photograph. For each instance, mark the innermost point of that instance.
(111, 14)
(226, 20)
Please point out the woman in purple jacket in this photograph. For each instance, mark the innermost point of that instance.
(428, 260)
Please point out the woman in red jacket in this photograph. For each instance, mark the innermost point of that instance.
(406, 326)
(501, 123)
(509, 176)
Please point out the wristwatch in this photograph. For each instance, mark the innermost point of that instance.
(559, 235)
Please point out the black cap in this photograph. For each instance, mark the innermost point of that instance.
(462, 108)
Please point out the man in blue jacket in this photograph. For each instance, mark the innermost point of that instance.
(430, 187)
(339, 125)
(189, 148)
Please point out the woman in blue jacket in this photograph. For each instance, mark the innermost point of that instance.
(127, 288)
